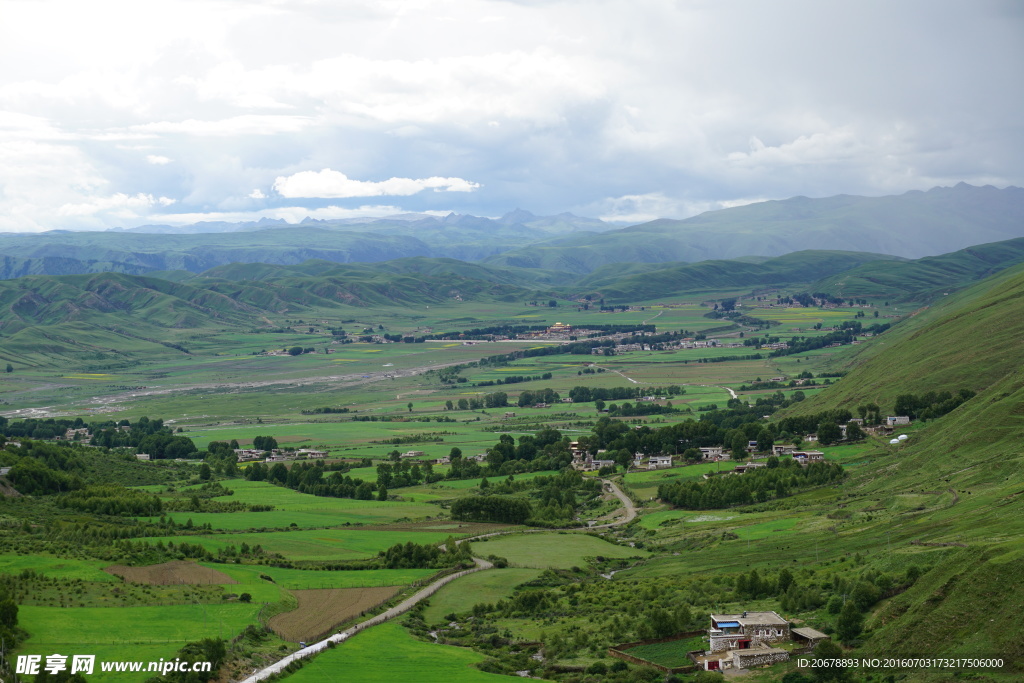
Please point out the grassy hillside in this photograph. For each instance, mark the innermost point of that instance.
(801, 266)
(969, 339)
(111, 317)
(417, 265)
(912, 225)
(927, 278)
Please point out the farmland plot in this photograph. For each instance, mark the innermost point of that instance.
(321, 609)
(170, 573)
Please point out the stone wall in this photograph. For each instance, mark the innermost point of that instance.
(745, 659)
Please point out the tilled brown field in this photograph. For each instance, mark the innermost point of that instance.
(321, 609)
(170, 573)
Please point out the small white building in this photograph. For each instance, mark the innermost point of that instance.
(659, 461)
(142, 456)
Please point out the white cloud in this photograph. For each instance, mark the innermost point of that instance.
(257, 194)
(631, 112)
(336, 185)
(119, 204)
(247, 124)
(291, 214)
(640, 208)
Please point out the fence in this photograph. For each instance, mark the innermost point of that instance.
(617, 652)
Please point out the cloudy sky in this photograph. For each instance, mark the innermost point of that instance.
(169, 111)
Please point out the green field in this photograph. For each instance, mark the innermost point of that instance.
(303, 510)
(561, 550)
(671, 654)
(489, 586)
(315, 544)
(56, 567)
(388, 653)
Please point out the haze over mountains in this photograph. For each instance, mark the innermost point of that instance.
(911, 225)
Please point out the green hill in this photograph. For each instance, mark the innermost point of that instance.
(798, 267)
(969, 339)
(79, 316)
(911, 225)
(925, 278)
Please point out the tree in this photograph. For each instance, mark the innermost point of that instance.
(204, 472)
(827, 650)
(10, 368)
(765, 440)
(264, 443)
(295, 351)
(553, 303)
(739, 447)
(8, 613)
(448, 405)
(829, 433)
(245, 597)
(854, 432)
(409, 406)
(850, 623)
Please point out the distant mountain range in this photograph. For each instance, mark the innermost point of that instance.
(553, 249)
(406, 223)
(910, 225)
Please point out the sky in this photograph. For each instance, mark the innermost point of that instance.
(119, 114)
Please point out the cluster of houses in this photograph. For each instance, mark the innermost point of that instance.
(583, 461)
(276, 455)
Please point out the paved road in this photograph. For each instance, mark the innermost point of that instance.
(399, 609)
(427, 591)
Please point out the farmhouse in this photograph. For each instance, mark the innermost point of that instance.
(412, 454)
(746, 467)
(893, 420)
(711, 453)
(244, 454)
(75, 434)
(805, 457)
(742, 631)
(659, 461)
(311, 453)
(142, 456)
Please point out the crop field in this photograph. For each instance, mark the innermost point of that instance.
(671, 654)
(314, 544)
(490, 586)
(168, 624)
(388, 653)
(56, 567)
(250, 576)
(303, 510)
(559, 550)
(169, 573)
(321, 609)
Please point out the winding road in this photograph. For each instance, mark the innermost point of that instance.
(427, 591)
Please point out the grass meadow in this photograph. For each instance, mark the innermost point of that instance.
(490, 586)
(388, 653)
(556, 550)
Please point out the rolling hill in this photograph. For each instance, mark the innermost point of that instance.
(798, 267)
(967, 340)
(926, 278)
(911, 225)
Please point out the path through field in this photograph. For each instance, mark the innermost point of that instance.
(408, 603)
